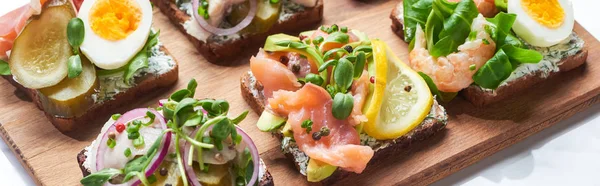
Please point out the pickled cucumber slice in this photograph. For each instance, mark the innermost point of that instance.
(218, 175)
(267, 14)
(71, 97)
(40, 53)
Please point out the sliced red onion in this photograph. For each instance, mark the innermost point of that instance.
(253, 150)
(220, 31)
(125, 118)
(162, 102)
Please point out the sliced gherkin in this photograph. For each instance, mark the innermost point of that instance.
(267, 14)
(40, 53)
(71, 97)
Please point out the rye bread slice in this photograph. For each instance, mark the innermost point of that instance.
(479, 96)
(266, 180)
(225, 53)
(252, 93)
(143, 86)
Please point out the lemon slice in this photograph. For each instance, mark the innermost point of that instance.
(400, 99)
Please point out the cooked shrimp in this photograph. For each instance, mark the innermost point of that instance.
(452, 73)
(485, 7)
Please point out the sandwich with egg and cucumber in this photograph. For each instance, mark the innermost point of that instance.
(80, 61)
(338, 100)
(519, 44)
(221, 30)
(185, 141)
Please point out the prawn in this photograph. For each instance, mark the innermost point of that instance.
(485, 7)
(454, 72)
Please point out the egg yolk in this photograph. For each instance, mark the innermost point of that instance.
(546, 12)
(115, 19)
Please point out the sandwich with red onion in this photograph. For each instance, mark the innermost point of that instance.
(184, 141)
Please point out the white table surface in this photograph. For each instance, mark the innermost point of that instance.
(567, 153)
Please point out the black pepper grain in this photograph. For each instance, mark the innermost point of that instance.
(112, 135)
(295, 68)
(284, 60)
(316, 136)
(348, 48)
(407, 88)
(163, 171)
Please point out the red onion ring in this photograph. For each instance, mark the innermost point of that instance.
(191, 175)
(127, 117)
(220, 31)
(162, 102)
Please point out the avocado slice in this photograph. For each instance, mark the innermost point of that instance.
(317, 171)
(287, 130)
(268, 121)
(311, 52)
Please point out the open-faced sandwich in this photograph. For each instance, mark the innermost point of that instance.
(337, 100)
(184, 141)
(221, 30)
(521, 43)
(78, 64)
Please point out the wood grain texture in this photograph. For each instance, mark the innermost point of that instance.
(472, 133)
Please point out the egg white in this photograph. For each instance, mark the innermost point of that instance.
(537, 34)
(107, 54)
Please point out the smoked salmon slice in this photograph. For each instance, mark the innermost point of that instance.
(360, 89)
(13, 22)
(341, 147)
(272, 75)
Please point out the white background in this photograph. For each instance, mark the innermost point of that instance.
(565, 154)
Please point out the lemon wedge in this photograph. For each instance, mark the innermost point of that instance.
(400, 98)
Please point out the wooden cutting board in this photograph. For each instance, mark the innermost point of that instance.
(472, 133)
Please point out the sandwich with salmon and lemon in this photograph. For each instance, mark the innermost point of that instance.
(221, 30)
(185, 141)
(488, 50)
(337, 100)
(80, 61)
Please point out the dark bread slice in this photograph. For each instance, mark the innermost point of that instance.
(266, 180)
(144, 85)
(223, 53)
(427, 128)
(481, 97)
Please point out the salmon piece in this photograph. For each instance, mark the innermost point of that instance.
(485, 7)
(360, 90)
(13, 22)
(341, 147)
(272, 75)
(328, 46)
(307, 65)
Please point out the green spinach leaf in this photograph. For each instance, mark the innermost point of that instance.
(494, 71)
(140, 60)
(518, 55)
(415, 13)
(456, 28)
(4, 68)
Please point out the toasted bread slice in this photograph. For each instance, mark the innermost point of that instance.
(143, 84)
(479, 96)
(265, 180)
(434, 122)
(222, 50)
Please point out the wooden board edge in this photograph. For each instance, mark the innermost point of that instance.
(452, 165)
(17, 152)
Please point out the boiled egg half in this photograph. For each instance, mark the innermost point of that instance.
(542, 23)
(115, 30)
